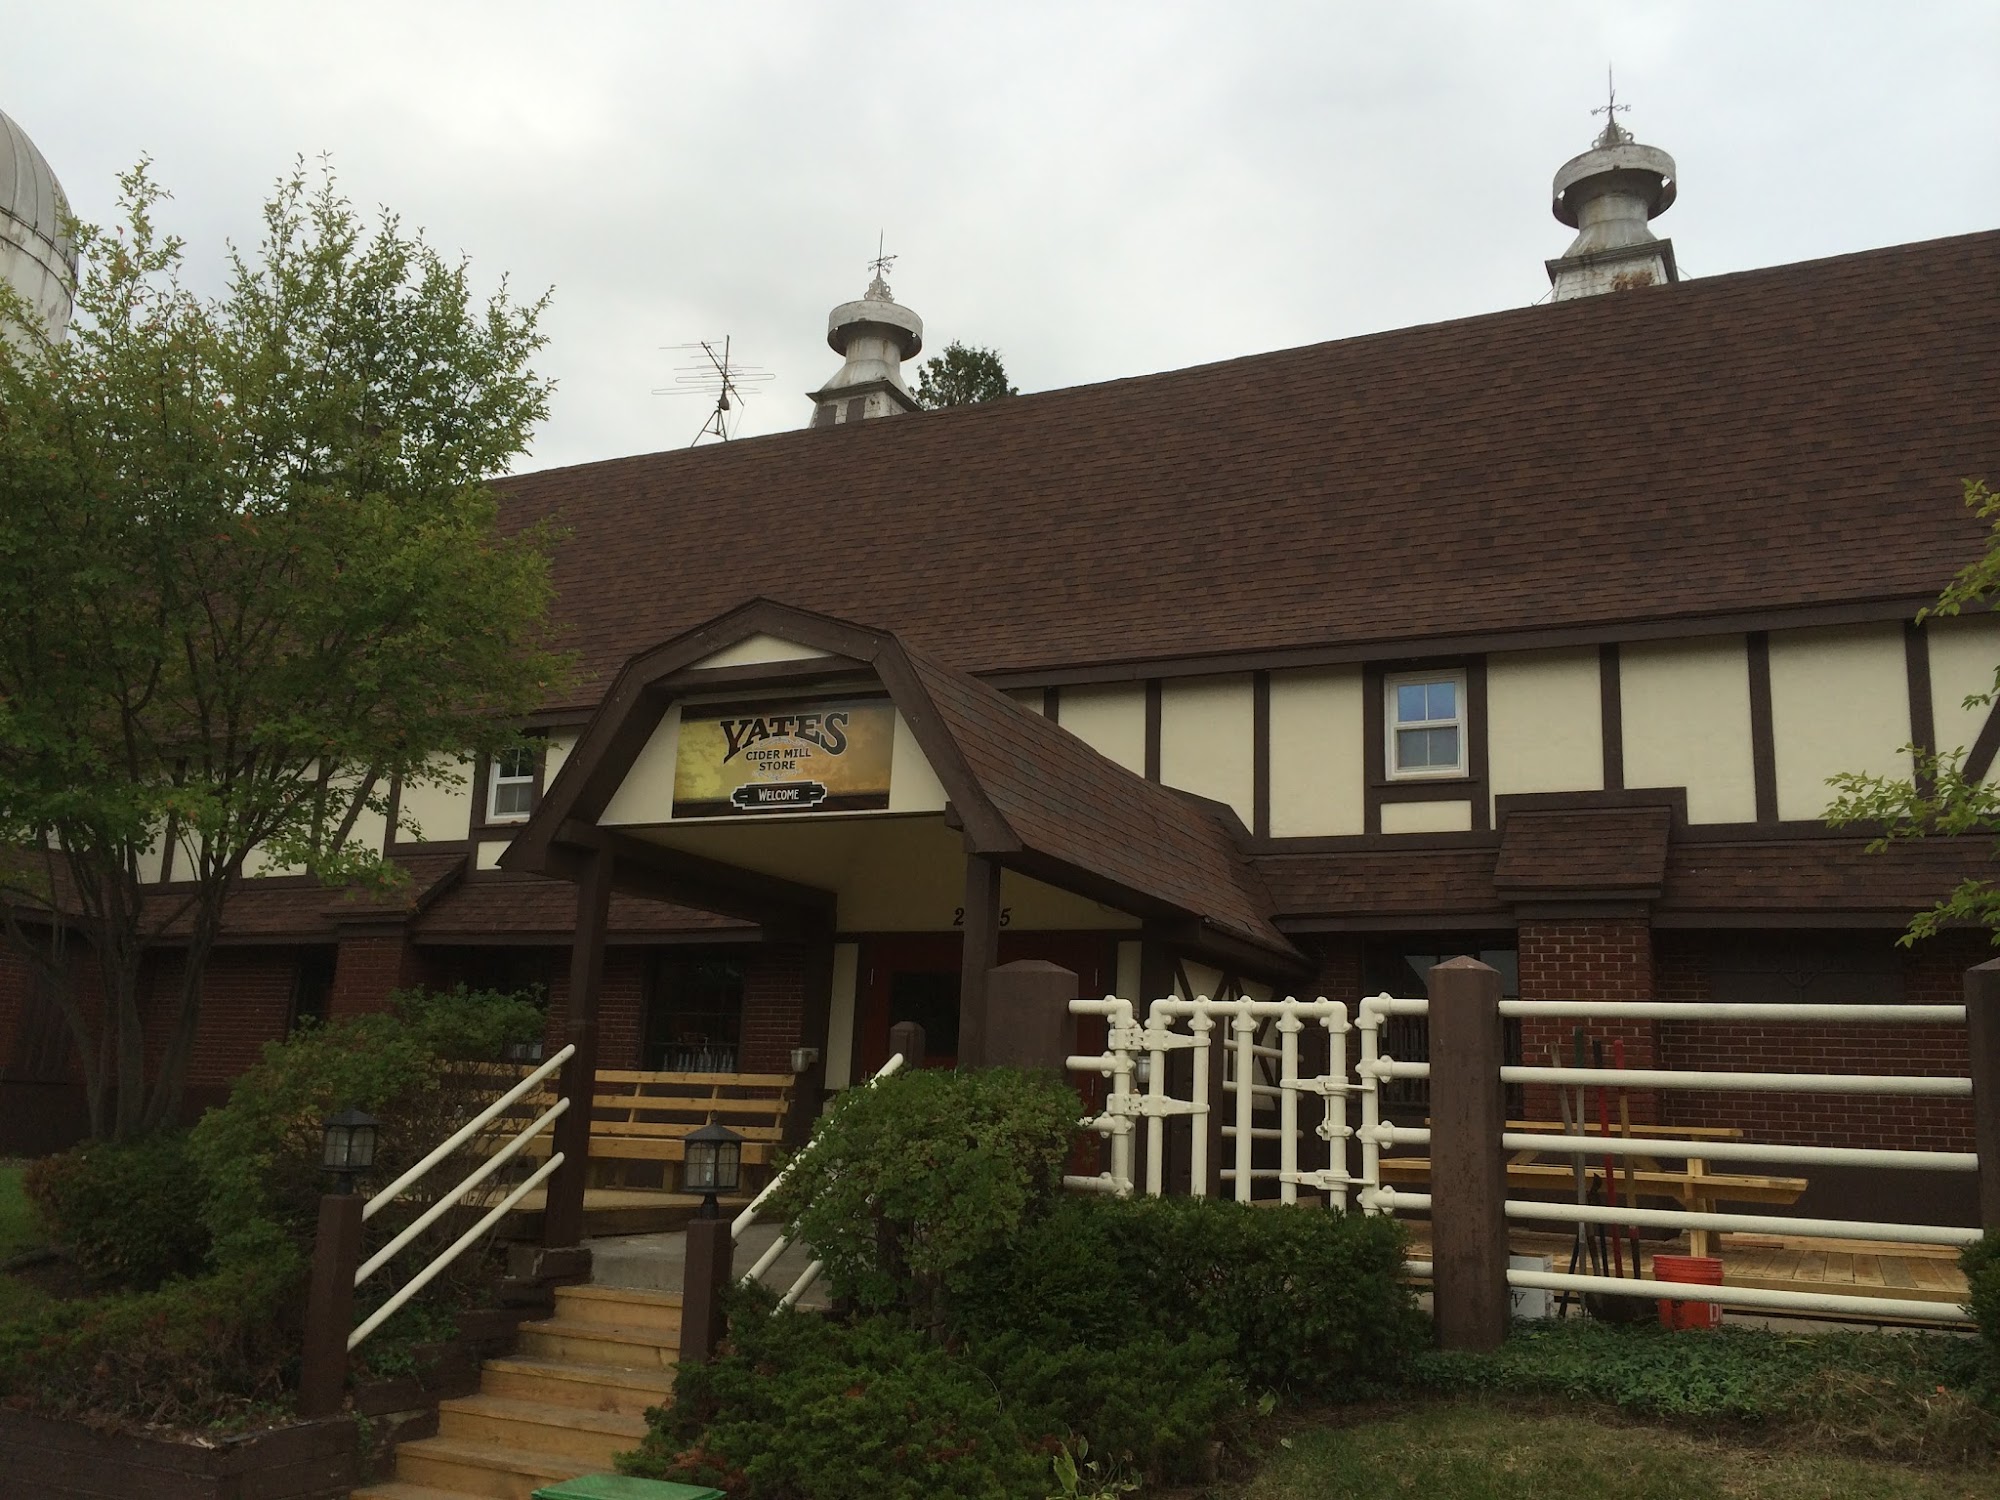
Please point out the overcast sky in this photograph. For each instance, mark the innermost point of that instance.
(1096, 190)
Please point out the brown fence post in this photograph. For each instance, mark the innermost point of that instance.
(1028, 1023)
(711, 1254)
(907, 1037)
(1468, 1165)
(330, 1305)
(1982, 1041)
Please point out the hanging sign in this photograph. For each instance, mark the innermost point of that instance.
(784, 757)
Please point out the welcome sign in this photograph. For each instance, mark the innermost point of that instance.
(785, 757)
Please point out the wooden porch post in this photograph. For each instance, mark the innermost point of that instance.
(1982, 1035)
(1468, 1166)
(982, 952)
(562, 1218)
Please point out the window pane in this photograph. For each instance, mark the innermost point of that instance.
(519, 761)
(1412, 749)
(1410, 703)
(1443, 700)
(1443, 747)
(513, 799)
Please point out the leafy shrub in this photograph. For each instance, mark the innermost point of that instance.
(1148, 1405)
(1307, 1302)
(804, 1408)
(1981, 1263)
(424, 1068)
(1911, 1396)
(129, 1216)
(913, 1182)
(207, 1352)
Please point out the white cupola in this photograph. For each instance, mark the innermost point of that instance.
(1608, 194)
(37, 258)
(875, 334)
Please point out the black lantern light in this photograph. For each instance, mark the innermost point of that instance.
(714, 1164)
(349, 1145)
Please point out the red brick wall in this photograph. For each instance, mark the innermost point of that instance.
(245, 1002)
(367, 969)
(1602, 958)
(621, 1016)
(1932, 973)
(774, 982)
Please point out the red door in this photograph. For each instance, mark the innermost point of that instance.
(915, 977)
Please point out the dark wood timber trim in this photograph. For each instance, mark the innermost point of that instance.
(1611, 715)
(1352, 843)
(1052, 704)
(562, 1218)
(1863, 612)
(1763, 742)
(1673, 797)
(1979, 760)
(1260, 754)
(1153, 697)
(980, 953)
(389, 838)
(810, 671)
(1923, 719)
(1439, 789)
(1374, 748)
(1475, 743)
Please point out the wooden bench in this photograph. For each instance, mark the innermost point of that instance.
(1694, 1187)
(647, 1117)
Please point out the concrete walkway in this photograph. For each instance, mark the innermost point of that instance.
(658, 1262)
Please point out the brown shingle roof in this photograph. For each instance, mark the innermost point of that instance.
(1066, 802)
(517, 906)
(1775, 438)
(1583, 852)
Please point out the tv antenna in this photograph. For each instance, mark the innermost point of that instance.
(715, 375)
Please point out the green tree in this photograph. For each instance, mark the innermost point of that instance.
(963, 374)
(249, 575)
(1939, 800)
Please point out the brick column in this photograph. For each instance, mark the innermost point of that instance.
(1587, 958)
(371, 963)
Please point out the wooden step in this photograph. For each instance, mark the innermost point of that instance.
(539, 1427)
(622, 1307)
(395, 1489)
(605, 1388)
(481, 1469)
(619, 1346)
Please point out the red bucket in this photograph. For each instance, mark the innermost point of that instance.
(1701, 1270)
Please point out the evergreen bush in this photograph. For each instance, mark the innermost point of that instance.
(129, 1216)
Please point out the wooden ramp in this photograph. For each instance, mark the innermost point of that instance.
(1861, 1268)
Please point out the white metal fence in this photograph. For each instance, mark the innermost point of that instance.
(1260, 1087)
(1376, 1068)
(1261, 1090)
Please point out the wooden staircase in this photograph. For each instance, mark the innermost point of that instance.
(571, 1396)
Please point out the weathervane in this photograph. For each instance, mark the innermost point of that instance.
(1614, 134)
(714, 375)
(880, 266)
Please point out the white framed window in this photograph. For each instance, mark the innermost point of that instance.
(1424, 715)
(510, 786)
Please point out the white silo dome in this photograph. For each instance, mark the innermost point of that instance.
(37, 258)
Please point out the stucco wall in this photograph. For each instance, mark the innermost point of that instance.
(1206, 740)
(1839, 702)
(1316, 761)
(1111, 720)
(1687, 723)
(1545, 722)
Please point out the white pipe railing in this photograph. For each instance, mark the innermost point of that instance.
(447, 1201)
(1390, 1199)
(424, 1277)
(465, 1133)
(1824, 1303)
(1714, 1010)
(1763, 1083)
(782, 1241)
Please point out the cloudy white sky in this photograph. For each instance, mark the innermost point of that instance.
(1097, 190)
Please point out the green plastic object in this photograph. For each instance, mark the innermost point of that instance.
(620, 1487)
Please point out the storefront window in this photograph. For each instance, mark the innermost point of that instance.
(694, 1014)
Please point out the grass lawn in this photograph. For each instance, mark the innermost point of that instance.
(1471, 1450)
(17, 1233)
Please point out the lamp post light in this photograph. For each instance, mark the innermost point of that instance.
(348, 1145)
(714, 1164)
